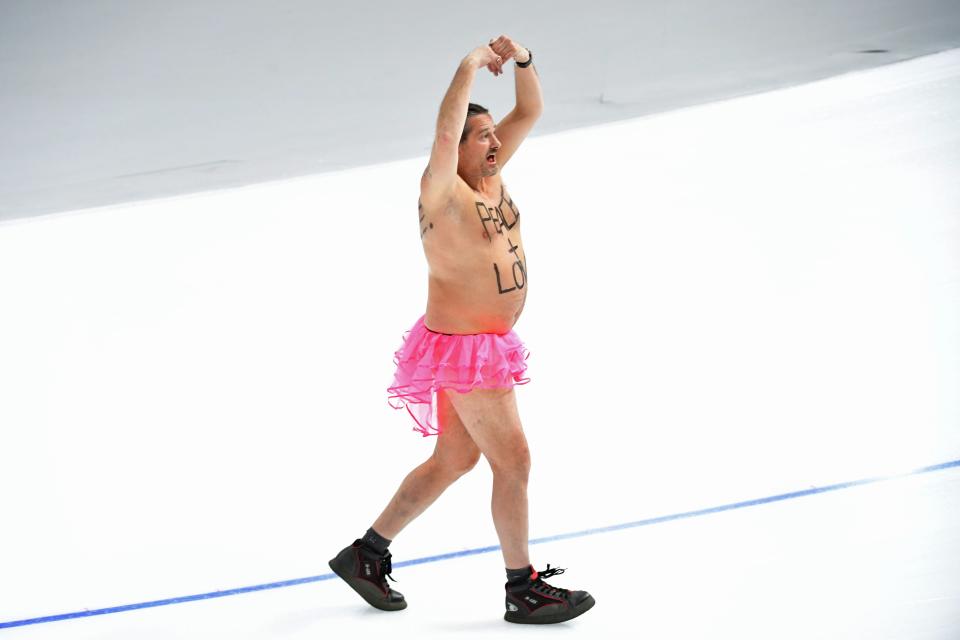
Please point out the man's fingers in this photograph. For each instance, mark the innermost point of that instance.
(499, 57)
(504, 49)
(500, 43)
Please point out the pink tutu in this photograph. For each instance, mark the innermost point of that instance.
(428, 361)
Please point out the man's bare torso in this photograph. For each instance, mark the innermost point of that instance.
(478, 268)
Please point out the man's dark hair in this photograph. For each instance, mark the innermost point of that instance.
(472, 110)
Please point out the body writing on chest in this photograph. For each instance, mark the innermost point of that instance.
(497, 225)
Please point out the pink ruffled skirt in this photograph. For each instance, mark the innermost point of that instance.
(428, 361)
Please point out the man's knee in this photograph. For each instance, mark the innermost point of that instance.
(456, 465)
(513, 463)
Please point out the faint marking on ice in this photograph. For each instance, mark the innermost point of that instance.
(186, 167)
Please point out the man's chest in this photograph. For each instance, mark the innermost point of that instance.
(494, 218)
(474, 232)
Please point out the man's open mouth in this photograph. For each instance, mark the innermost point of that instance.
(492, 157)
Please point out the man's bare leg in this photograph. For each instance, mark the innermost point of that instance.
(509, 507)
(491, 418)
(365, 564)
(454, 455)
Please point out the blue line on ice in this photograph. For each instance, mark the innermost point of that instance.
(470, 552)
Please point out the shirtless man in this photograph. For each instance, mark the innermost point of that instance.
(470, 229)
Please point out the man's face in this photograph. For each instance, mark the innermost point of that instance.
(478, 153)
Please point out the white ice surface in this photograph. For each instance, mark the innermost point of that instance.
(876, 562)
(727, 302)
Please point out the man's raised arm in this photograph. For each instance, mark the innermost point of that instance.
(517, 124)
(441, 174)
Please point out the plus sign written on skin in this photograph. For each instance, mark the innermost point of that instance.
(499, 222)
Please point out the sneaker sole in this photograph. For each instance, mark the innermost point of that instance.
(373, 602)
(554, 618)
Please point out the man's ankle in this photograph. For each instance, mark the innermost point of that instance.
(518, 575)
(375, 541)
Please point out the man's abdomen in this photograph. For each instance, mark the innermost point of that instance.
(481, 300)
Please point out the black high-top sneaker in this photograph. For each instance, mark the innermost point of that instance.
(533, 601)
(366, 572)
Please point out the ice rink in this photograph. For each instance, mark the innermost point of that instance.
(744, 407)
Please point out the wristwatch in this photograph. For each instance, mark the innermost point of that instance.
(524, 65)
